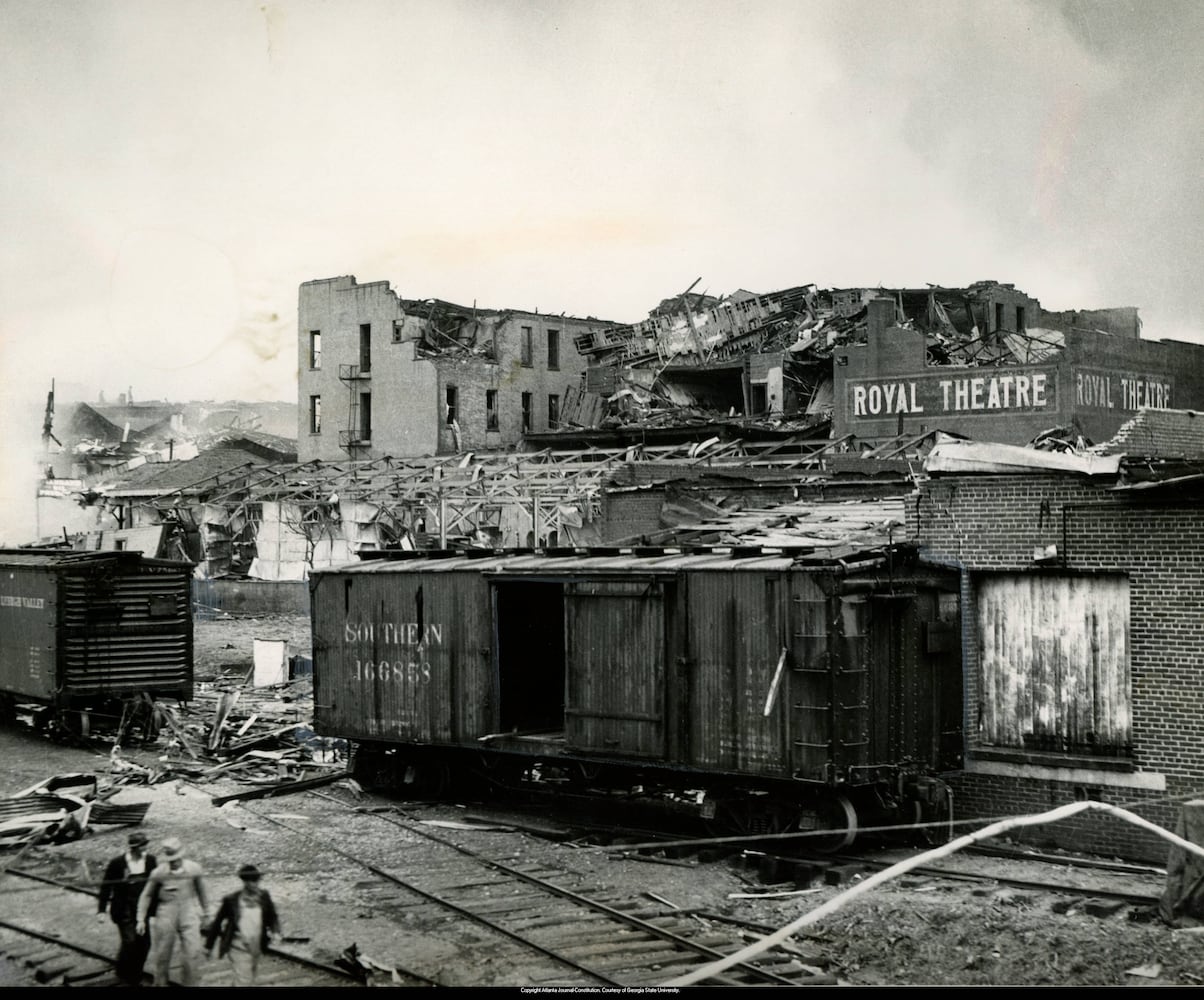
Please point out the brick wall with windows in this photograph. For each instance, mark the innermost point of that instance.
(998, 522)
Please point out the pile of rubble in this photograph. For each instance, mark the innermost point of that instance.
(258, 738)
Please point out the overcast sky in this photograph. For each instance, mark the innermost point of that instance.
(173, 170)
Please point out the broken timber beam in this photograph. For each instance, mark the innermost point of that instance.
(284, 788)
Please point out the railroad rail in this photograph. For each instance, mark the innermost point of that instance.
(561, 932)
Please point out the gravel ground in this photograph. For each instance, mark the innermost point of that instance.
(916, 930)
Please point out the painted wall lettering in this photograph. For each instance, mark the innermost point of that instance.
(1103, 390)
(970, 393)
(395, 671)
(393, 633)
(12, 601)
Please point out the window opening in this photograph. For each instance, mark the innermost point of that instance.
(365, 347)
(491, 409)
(365, 416)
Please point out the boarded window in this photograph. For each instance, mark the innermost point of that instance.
(525, 345)
(1054, 655)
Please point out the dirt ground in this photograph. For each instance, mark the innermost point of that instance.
(915, 930)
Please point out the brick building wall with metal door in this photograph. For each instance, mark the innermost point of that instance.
(1060, 533)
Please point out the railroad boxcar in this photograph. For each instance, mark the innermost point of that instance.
(83, 631)
(770, 689)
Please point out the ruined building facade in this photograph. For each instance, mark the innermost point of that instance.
(379, 375)
(1021, 373)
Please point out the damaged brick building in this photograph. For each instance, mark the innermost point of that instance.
(379, 375)
(863, 367)
(1082, 637)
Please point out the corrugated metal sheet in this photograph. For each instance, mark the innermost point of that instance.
(127, 632)
(1054, 655)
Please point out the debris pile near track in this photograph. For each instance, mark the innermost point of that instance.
(260, 737)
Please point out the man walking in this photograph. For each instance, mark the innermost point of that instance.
(174, 901)
(246, 921)
(125, 878)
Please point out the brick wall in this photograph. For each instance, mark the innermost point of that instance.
(986, 523)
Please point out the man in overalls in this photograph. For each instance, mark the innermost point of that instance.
(174, 900)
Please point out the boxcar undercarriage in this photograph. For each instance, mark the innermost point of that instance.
(817, 816)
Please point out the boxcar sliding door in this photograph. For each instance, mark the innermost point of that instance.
(615, 660)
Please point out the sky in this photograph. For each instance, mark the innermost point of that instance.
(173, 170)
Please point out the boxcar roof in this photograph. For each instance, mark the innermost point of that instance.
(68, 558)
(586, 561)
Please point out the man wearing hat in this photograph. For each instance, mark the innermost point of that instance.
(125, 877)
(174, 900)
(246, 921)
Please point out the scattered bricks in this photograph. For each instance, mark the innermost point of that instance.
(1103, 907)
(839, 874)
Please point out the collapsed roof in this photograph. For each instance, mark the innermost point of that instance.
(699, 357)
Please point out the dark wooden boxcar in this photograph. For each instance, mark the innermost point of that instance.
(79, 629)
(816, 691)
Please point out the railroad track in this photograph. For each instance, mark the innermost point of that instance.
(50, 936)
(546, 921)
(1044, 885)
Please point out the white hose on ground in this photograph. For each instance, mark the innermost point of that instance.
(994, 830)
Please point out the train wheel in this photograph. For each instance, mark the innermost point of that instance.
(834, 822)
